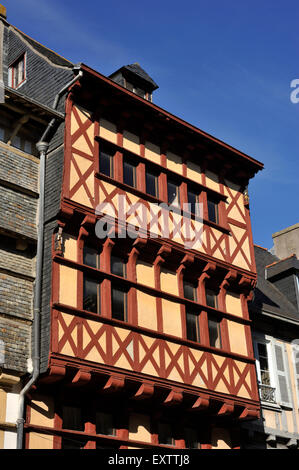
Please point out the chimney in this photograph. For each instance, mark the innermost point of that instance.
(2, 11)
(286, 242)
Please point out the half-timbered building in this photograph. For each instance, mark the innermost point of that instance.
(148, 266)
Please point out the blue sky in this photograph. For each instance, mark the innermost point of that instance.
(225, 67)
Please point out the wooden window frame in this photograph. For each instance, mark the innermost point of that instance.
(12, 70)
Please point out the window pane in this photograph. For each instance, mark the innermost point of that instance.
(213, 211)
(211, 298)
(118, 266)
(90, 257)
(214, 333)
(165, 434)
(105, 424)
(193, 200)
(72, 418)
(173, 194)
(72, 443)
(129, 174)
(191, 439)
(106, 161)
(189, 291)
(119, 307)
(192, 327)
(152, 184)
(91, 295)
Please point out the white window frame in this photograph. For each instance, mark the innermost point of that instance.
(295, 356)
(264, 339)
(12, 66)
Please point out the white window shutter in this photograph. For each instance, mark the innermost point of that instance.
(296, 368)
(284, 395)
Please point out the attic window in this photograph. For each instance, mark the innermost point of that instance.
(17, 72)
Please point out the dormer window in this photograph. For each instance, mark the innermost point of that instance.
(17, 72)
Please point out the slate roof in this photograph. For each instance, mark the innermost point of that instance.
(266, 295)
(139, 71)
(45, 51)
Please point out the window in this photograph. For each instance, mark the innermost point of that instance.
(165, 434)
(213, 211)
(193, 201)
(72, 420)
(118, 266)
(191, 439)
(190, 291)
(263, 353)
(192, 326)
(105, 424)
(17, 72)
(173, 192)
(91, 257)
(129, 171)
(106, 159)
(91, 295)
(214, 332)
(119, 303)
(211, 298)
(152, 183)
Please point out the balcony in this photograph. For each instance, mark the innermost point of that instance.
(267, 393)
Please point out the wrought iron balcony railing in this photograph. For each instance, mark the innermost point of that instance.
(267, 393)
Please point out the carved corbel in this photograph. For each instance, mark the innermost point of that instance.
(248, 413)
(114, 384)
(88, 222)
(201, 404)
(174, 398)
(56, 373)
(226, 409)
(82, 377)
(208, 270)
(145, 391)
(229, 278)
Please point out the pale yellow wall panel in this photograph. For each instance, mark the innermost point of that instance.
(290, 420)
(73, 176)
(2, 414)
(220, 438)
(237, 338)
(233, 304)
(82, 198)
(194, 172)
(70, 247)
(145, 273)
(108, 131)
(81, 144)
(68, 286)
(42, 411)
(174, 162)
(147, 311)
(212, 180)
(152, 152)
(169, 282)
(40, 441)
(269, 417)
(149, 369)
(83, 163)
(131, 142)
(172, 323)
(140, 427)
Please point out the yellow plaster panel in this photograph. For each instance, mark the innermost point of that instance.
(2, 414)
(290, 420)
(220, 438)
(147, 311)
(269, 417)
(172, 323)
(82, 198)
(81, 144)
(237, 338)
(140, 427)
(68, 286)
(42, 411)
(70, 247)
(212, 180)
(40, 441)
(108, 130)
(152, 152)
(233, 304)
(145, 273)
(174, 162)
(194, 172)
(169, 282)
(131, 142)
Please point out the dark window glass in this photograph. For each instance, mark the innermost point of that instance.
(91, 295)
(193, 200)
(90, 257)
(118, 266)
(189, 291)
(165, 434)
(129, 173)
(213, 211)
(192, 327)
(173, 194)
(72, 443)
(211, 298)
(152, 186)
(214, 332)
(119, 303)
(139, 92)
(72, 418)
(264, 365)
(106, 160)
(191, 439)
(129, 86)
(105, 424)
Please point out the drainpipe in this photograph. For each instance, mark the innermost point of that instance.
(42, 147)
